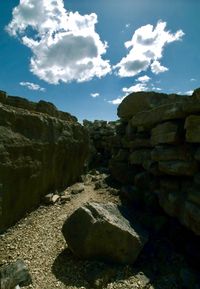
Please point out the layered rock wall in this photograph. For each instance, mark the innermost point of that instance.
(41, 150)
(159, 152)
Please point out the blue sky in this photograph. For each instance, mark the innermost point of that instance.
(85, 56)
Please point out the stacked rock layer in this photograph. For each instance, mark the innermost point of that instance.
(158, 151)
(41, 150)
(101, 135)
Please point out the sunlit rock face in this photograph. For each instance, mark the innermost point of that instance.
(158, 152)
(41, 150)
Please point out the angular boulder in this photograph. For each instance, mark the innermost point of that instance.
(100, 232)
(14, 274)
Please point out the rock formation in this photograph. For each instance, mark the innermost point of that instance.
(41, 150)
(158, 152)
(100, 232)
(101, 141)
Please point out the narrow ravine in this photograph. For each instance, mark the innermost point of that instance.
(37, 239)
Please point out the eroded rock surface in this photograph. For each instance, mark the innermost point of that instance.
(41, 150)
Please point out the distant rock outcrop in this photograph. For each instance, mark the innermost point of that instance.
(41, 150)
(159, 152)
(101, 139)
(100, 232)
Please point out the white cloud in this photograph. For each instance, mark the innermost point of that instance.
(117, 100)
(189, 92)
(142, 86)
(193, 79)
(65, 45)
(94, 95)
(144, 78)
(146, 49)
(32, 86)
(157, 68)
(156, 88)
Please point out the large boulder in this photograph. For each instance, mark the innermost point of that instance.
(142, 101)
(39, 154)
(100, 232)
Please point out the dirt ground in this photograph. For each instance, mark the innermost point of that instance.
(37, 239)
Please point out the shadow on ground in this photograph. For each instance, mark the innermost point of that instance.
(158, 267)
(88, 274)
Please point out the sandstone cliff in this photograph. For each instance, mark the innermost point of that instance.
(41, 150)
(157, 151)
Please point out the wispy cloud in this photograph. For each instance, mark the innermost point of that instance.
(32, 86)
(146, 50)
(193, 79)
(64, 45)
(94, 95)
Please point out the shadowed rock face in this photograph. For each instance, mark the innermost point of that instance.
(39, 153)
(161, 137)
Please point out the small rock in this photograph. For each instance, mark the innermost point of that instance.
(65, 198)
(113, 191)
(100, 185)
(14, 274)
(48, 199)
(77, 188)
(55, 198)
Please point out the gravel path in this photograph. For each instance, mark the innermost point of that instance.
(37, 239)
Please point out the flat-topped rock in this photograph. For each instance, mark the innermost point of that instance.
(178, 110)
(178, 168)
(170, 153)
(143, 101)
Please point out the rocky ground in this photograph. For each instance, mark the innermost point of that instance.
(37, 239)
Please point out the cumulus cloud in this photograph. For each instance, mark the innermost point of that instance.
(32, 86)
(65, 45)
(189, 92)
(94, 95)
(144, 78)
(157, 68)
(146, 49)
(141, 86)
